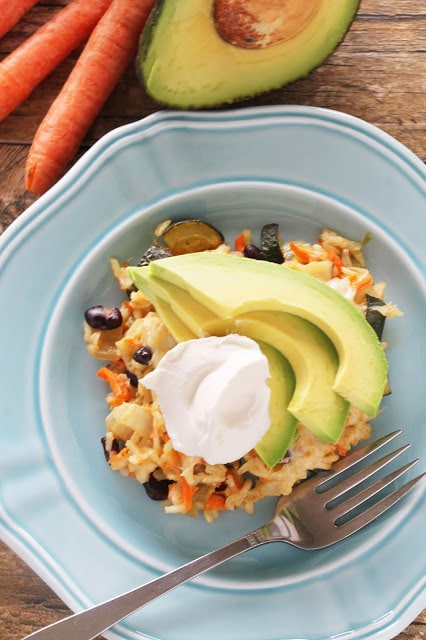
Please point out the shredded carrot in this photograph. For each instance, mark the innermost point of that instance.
(337, 261)
(23, 69)
(110, 48)
(188, 491)
(173, 460)
(216, 502)
(340, 450)
(240, 242)
(118, 384)
(11, 11)
(128, 305)
(300, 253)
(237, 480)
(116, 457)
(365, 281)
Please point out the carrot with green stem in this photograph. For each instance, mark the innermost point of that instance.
(110, 48)
(23, 69)
(11, 11)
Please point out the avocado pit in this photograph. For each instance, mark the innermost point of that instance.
(256, 24)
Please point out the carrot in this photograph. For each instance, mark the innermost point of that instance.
(338, 263)
(365, 281)
(300, 254)
(242, 240)
(235, 478)
(118, 384)
(341, 451)
(188, 491)
(110, 48)
(23, 69)
(11, 11)
(216, 502)
(240, 243)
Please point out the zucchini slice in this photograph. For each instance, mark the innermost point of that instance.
(191, 236)
(270, 244)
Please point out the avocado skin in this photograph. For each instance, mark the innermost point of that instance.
(204, 86)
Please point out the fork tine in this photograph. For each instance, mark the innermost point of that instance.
(363, 474)
(345, 507)
(359, 521)
(351, 459)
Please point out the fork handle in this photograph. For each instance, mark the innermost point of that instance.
(90, 623)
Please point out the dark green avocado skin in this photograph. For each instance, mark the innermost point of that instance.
(195, 100)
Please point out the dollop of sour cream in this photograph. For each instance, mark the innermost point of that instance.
(214, 396)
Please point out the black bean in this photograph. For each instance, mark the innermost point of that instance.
(104, 318)
(116, 446)
(142, 355)
(132, 378)
(157, 489)
(251, 251)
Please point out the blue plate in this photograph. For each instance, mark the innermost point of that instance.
(92, 534)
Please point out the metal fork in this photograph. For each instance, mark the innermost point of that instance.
(314, 516)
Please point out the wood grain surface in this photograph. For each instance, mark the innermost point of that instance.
(378, 73)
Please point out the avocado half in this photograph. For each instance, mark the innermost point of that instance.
(185, 63)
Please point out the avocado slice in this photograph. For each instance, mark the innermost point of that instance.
(308, 350)
(187, 311)
(281, 433)
(305, 347)
(189, 57)
(230, 286)
(174, 324)
(274, 444)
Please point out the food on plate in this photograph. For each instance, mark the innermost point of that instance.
(223, 289)
(186, 236)
(199, 53)
(109, 49)
(305, 319)
(23, 69)
(214, 396)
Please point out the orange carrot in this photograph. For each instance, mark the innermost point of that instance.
(118, 384)
(365, 281)
(110, 48)
(188, 491)
(341, 450)
(300, 254)
(338, 263)
(216, 502)
(11, 11)
(235, 478)
(240, 242)
(23, 69)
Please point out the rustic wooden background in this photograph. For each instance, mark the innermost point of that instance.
(378, 73)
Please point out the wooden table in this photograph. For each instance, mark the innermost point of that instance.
(378, 74)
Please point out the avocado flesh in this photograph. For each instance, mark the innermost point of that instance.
(282, 431)
(192, 315)
(276, 441)
(183, 62)
(229, 286)
(173, 321)
(305, 347)
(314, 403)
